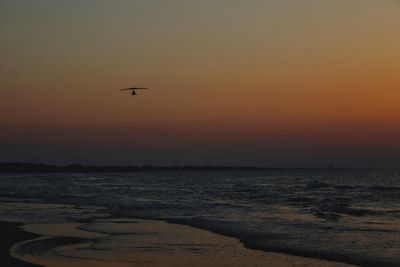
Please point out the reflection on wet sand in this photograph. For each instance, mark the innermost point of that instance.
(137, 242)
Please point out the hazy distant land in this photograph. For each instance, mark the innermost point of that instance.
(7, 167)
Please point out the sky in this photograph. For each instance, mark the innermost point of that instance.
(280, 83)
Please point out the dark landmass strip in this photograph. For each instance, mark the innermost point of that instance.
(11, 234)
(17, 167)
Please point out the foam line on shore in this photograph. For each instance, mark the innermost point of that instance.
(11, 233)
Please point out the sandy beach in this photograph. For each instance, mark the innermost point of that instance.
(136, 242)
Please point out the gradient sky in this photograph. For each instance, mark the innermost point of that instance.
(287, 83)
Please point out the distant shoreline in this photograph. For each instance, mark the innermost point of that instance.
(19, 167)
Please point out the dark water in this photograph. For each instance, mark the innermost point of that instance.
(350, 216)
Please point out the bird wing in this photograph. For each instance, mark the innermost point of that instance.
(127, 89)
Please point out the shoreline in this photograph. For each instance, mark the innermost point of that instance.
(48, 230)
(157, 243)
(250, 244)
(12, 234)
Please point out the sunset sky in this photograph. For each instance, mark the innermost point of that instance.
(285, 83)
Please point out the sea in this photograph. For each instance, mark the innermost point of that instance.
(351, 216)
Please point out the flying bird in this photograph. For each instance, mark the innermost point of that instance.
(133, 89)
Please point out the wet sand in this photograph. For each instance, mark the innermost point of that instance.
(137, 242)
(10, 234)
